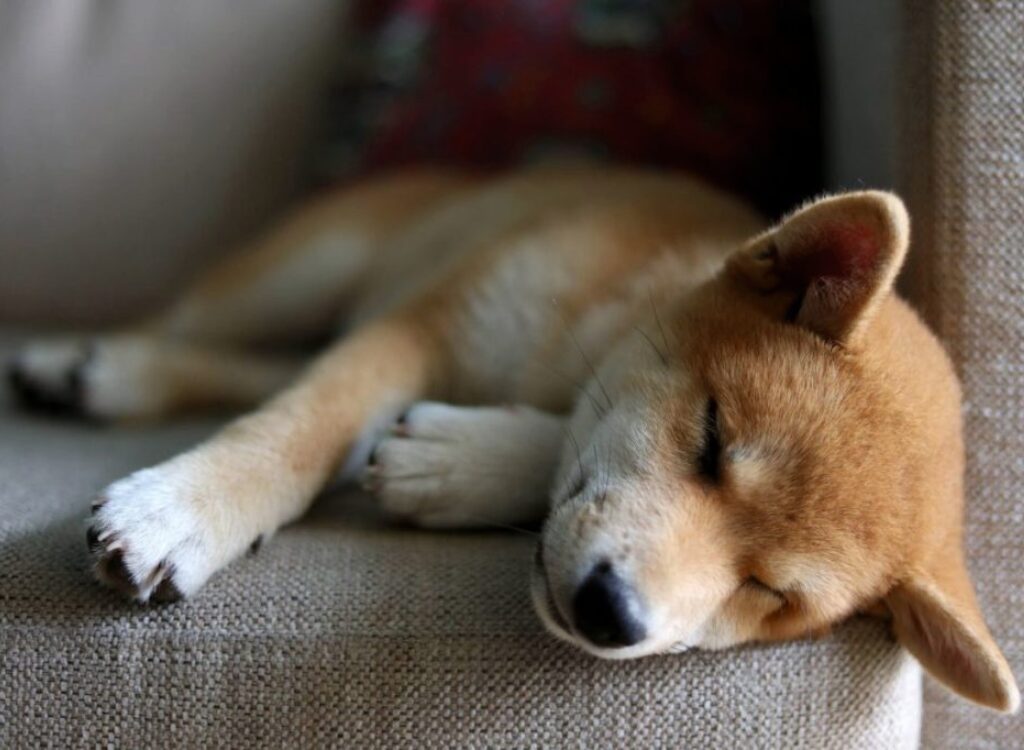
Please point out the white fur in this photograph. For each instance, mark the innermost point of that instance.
(110, 378)
(623, 506)
(151, 518)
(49, 364)
(450, 466)
(121, 379)
(195, 513)
(495, 337)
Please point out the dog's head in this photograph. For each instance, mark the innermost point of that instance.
(786, 453)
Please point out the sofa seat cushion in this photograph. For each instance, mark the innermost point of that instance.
(344, 631)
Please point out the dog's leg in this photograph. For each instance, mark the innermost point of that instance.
(450, 466)
(132, 377)
(163, 531)
(289, 288)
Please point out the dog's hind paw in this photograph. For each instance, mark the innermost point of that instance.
(105, 379)
(49, 375)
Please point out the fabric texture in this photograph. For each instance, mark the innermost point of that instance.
(964, 175)
(344, 632)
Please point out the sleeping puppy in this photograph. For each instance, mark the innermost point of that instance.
(735, 433)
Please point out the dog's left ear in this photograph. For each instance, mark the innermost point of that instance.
(836, 258)
(936, 617)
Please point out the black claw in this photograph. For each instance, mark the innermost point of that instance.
(75, 381)
(115, 572)
(32, 397)
(22, 387)
(61, 401)
(15, 378)
(402, 424)
(92, 538)
(166, 592)
(256, 544)
(73, 388)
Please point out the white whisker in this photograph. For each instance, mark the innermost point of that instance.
(583, 354)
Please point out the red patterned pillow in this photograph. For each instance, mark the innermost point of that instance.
(725, 88)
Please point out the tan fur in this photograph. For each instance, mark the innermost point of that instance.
(628, 299)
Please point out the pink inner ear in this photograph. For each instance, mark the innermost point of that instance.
(837, 251)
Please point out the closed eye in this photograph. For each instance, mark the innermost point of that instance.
(710, 457)
(762, 586)
(576, 485)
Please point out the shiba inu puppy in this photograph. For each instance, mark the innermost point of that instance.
(735, 432)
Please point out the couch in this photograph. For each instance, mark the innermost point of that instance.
(342, 631)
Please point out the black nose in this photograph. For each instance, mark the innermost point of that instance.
(604, 610)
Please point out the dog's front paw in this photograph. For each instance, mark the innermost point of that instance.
(147, 536)
(451, 467)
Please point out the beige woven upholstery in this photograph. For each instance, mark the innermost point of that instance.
(341, 632)
(964, 165)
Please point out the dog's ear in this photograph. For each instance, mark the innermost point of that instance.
(936, 617)
(835, 258)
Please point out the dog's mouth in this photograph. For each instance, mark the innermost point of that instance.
(556, 623)
(544, 601)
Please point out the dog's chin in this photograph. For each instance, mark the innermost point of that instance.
(555, 623)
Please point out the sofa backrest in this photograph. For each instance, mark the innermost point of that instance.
(138, 138)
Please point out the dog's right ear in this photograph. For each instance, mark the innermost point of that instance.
(936, 617)
(835, 259)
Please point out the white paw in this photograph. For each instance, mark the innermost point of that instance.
(111, 378)
(152, 537)
(448, 466)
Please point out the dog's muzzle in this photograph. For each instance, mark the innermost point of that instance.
(604, 611)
